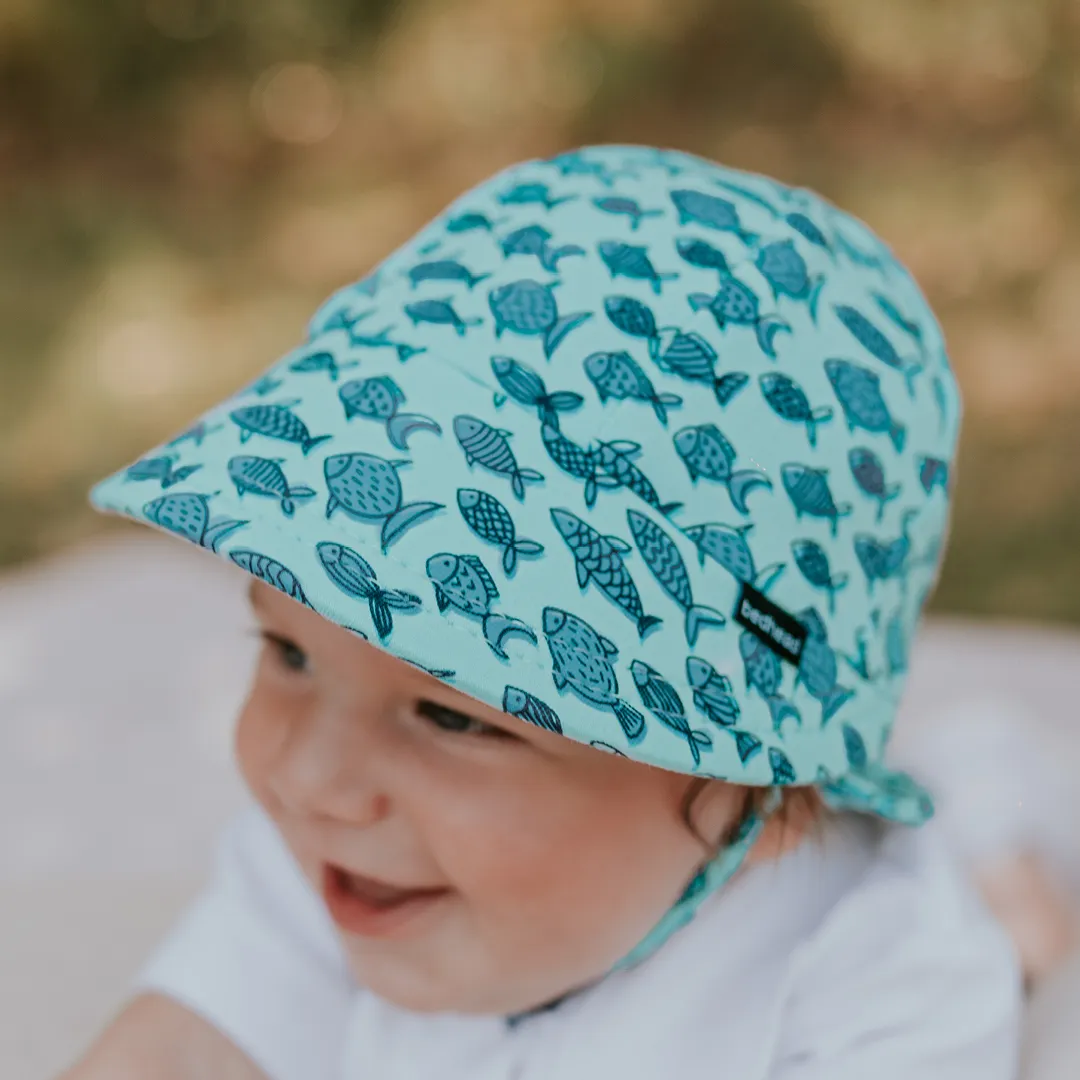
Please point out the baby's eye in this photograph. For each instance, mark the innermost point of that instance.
(289, 654)
(451, 720)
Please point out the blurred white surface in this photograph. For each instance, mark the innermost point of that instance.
(122, 666)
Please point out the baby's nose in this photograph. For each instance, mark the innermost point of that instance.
(327, 769)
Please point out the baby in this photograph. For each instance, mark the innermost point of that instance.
(586, 539)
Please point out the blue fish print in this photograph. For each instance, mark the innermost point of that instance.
(336, 316)
(378, 340)
(858, 256)
(380, 398)
(321, 361)
(788, 400)
(869, 474)
(703, 255)
(264, 476)
(617, 375)
(898, 550)
(188, 515)
(818, 668)
(275, 422)
(747, 193)
(528, 194)
(634, 318)
(896, 644)
(877, 344)
(578, 462)
(270, 571)
(933, 472)
(785, 271)
(808, 489)
(462, 582)
(706, 452)
(443, 270)
(160, 469)
(940, 400)
(265, 384)
(652, 157)
(860, 662)
(881, 560)
(746, 744)
(813, 564)
(727, 546)
(890, 791)
(713, 697)
(196, 433)
(598, 559)
(763, 673)
(854, 748)
(532, 710)
(470, 221)
(488, 446)
(782, 769)
(808, 230)
(490, 520)
(663, 701)
(607, 748)
(353, 575)
(527, 307)
(440, 312)
(528, 389)
(367, 488)
(438, 673)
(689, 356)
(873, 557)
(536, 240)
(614, 204)
(896, 316)
(711, 211)
(575, 163)
(858, 390)
(583, 660)
(663, 559)
(713, 693)
(616, 460)
(628, 260)
(737, 303)
(369, 285)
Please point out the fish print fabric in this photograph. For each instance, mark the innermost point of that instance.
(547, 444)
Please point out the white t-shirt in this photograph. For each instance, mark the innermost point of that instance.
(860, 955)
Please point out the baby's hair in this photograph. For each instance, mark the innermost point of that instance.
(797, 804)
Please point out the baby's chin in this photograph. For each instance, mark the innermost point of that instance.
(450, 978)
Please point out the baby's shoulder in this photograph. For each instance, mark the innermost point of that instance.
(906, 966)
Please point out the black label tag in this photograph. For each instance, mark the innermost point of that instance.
(783, 633)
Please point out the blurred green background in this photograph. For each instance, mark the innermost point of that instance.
(182, 181)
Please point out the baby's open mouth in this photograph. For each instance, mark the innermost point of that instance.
(378, 894)
(373, 908)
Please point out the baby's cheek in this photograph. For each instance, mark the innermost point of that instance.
(255, 740)
(246, 745)
(561, 875)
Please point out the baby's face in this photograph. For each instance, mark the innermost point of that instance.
(540, 861)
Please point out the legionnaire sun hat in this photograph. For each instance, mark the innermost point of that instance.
(643, 450)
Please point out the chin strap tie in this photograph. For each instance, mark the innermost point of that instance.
(711, 877)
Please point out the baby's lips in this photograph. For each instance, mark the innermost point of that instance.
(380, 893)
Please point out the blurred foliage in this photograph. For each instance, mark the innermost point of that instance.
(182, 181)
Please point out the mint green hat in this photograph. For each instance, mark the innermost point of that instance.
(646, 451)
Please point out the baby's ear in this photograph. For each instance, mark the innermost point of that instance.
(788, 826)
